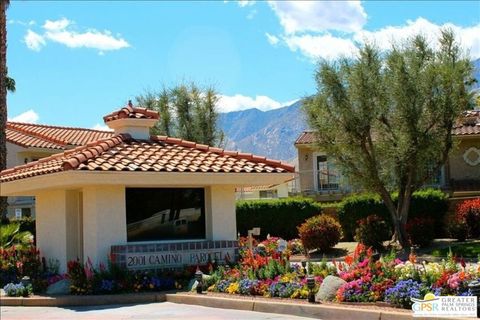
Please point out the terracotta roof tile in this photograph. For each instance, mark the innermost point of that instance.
(129, 111)
(159, 154)
(468, 123)
(51, 137)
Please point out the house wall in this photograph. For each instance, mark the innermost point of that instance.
(84, 223)
(459, 168)
(17, 155)
(305, 168)
(51, 226)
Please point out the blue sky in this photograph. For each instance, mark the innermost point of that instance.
(74, 62)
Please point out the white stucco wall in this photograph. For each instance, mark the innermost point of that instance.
(51, 226)
(104, 221)
(221, 213)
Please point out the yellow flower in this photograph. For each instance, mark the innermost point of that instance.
(233, 288)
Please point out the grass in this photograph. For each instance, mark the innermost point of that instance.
(466, 250)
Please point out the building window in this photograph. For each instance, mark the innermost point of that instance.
(165, 214)
(268, 194)
(327, 175)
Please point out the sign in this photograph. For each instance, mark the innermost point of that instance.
(18, 213)
(172, 259)
(174, 255)
(445, 306)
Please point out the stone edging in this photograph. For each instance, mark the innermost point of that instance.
(92, 300)
(322, 311)
(319, 311)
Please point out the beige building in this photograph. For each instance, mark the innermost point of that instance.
(319, 178)
(30, 142)
(263, 192)
(145, 201)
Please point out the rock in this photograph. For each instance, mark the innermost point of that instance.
(192, 285)
(328, 288)
(59, 287)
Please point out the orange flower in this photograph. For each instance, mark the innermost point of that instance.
(349, 260)
(412, 258)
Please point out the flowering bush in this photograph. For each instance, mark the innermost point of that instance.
(420, 231)
(369, 278)
(18, 262)
(86, 279)
(401, 293)
(372, 231)
(320, 232)
(17, 290)
(468, 212)
(295, 246)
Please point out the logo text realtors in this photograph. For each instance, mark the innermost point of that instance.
(448, 306)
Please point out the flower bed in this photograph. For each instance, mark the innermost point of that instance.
(266, 271)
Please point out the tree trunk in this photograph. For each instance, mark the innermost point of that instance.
(3, 97)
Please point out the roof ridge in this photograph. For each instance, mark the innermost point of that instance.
(55, 127)
(223, 152)
(94, 149)
(67, 163)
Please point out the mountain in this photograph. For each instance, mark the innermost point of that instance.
(268, 133)
(272, 133)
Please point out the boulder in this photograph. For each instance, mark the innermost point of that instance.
(59, 287)
(328, 288)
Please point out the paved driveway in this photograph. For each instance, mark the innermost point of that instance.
(163, 310)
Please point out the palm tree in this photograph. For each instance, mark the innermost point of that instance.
(3, 96)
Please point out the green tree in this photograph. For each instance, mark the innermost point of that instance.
(4, 84)
(386, 117)
(187, 112)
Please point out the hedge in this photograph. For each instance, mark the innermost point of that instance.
(277, 217)
(428, 203)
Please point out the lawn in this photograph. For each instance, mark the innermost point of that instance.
(466, 250)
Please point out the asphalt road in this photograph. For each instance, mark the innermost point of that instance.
(163, 310)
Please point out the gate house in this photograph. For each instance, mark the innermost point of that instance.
(148, 201)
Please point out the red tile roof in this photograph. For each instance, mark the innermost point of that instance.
(159, 154)
(51, 137)
(306, 137)
(129, 111)
(467, 124)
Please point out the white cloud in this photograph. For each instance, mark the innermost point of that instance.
(273, 40)
(240, 102)
(468, 36)
(324, 46)
(34, 41)
(29, 116)
(101, 127)
(62, 31)
(318, 16)
(245, 3)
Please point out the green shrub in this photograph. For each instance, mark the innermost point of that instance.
(277, 217)
(320, 232)
(372, 231)
(428, 203)
(357, 207)
(420, 231)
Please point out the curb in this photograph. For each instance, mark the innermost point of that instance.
(70, 300)
(318, 311)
